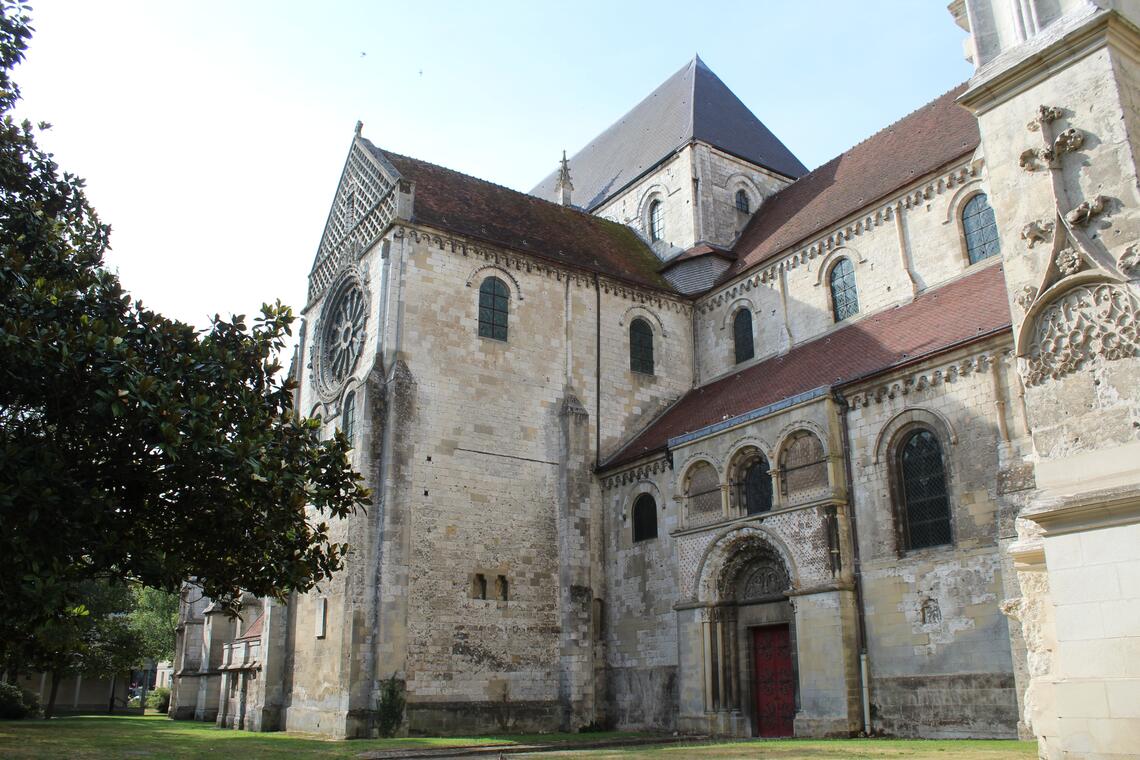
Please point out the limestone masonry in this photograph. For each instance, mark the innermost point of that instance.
(690, 438)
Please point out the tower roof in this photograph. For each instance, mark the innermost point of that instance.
(693, 104)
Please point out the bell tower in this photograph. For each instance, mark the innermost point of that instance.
(1056, 91)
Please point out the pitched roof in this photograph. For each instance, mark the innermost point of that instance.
(475, 208)
(916, 145)
(693, 104)
(966, 309)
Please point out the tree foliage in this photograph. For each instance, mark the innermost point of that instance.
(133, 446)
(154, 617)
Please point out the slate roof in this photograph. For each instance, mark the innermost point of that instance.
(916, 145)
(474, 208)
(956, 313)
(693, 104)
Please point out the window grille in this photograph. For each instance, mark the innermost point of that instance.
(641, 347)
(656, 221)
(644, 518)
(493, 308)
(754, 490)
(980, 228)
(844, 297)
(804, 465)
(742, 202)
(348, 416)
(923, 478)
(702, 497)
(742, 335)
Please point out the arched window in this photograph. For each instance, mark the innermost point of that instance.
(803, 464)
(844, 299)
(656, 221)
(494, 301)
(742, 335)
(980, 228)
(644, 518)
(922, 485)
(348, 416)
(641, 346)
(702, 495)
(742, 202)
(755, 486)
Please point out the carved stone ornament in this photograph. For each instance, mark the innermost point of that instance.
(1037, 231)
(1026, 297)
(340, 334)
(1087, 322)
(1130, 262)
(1084, 213)
(1033, 159)
(1068, 141)
(765, 579)
(1068, 262)
(1045, 115)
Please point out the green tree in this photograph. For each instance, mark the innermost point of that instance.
(153, 618)
(133, 446)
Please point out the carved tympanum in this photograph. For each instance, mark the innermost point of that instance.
(764, 579)
(1087, 322)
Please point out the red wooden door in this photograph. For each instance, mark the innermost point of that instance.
(772, 682)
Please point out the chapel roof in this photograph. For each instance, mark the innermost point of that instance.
(693, 104)
(964, 310)
(911, 148)
(462, 204)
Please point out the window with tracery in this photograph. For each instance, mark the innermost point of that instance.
(641, 346)
(803, 464)
(644, 518)
(922, 484)
(844, 298)
(980, 228)
(656, 221)
(742, 335)
(702, 495)
(742, 203)
(494, 305)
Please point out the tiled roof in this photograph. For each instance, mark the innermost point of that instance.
(697, 251)
(966, 309)
(475, 208)
(693, 104)
(916, 145)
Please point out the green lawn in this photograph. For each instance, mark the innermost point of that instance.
(155, 736)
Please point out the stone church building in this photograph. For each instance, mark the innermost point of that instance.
(691, 438)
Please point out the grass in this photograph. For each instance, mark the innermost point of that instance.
(154, 736)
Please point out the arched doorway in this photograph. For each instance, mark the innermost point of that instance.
(754, 584)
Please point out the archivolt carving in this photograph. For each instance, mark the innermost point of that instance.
(486, 269)
(1085, 322)
(641, 311)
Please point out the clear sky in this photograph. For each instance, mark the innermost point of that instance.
(212, 134)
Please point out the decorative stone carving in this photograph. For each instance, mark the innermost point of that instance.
(1045, 115)
(1130, 262)
(1087, 322)
(1068, 141)
(1026, 297)
(1084, 213)
(1068, 261)
(1033, 159)
(767, 578)
(1037, 231)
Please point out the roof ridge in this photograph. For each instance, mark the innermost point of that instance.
(526, 196)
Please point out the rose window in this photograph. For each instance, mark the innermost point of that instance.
(341, 335)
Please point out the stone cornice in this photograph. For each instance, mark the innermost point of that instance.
(838, 235)
(1090, 510)
(929, 377)
(522, 262)
(637, 472)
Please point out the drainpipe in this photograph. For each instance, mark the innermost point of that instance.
(861, 628)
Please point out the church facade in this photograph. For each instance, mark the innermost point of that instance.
(691, 438)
